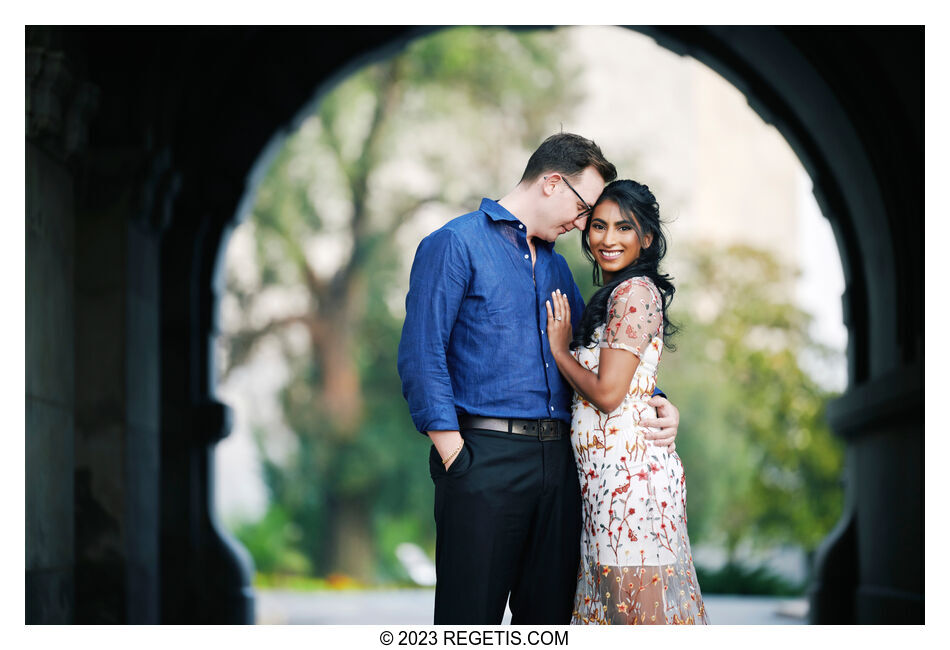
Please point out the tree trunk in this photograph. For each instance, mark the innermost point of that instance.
(341, 395)
(350, 530)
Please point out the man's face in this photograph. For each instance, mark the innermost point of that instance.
(569, 202)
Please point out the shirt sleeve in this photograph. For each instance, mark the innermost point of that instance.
(634, 316)
(438, 282)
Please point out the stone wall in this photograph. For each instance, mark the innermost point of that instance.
(92, 359)
(50, 389)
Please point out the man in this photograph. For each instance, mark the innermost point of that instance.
(480, 380)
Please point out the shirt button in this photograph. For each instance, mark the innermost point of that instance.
(520, 226)
(552, 408)
(545, 365)
(542, 331)
(526, 256)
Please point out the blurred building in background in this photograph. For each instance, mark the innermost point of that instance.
(721, 174)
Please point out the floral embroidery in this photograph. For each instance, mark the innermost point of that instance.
(636, 562)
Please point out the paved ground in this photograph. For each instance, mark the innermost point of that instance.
(414, 607)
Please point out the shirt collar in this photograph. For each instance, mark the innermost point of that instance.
(495, 210)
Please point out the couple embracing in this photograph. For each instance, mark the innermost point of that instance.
(557, 485)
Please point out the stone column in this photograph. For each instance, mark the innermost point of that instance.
(95, 213)
(125, 195)
(206, 573)
(57, 105)
(50, 391)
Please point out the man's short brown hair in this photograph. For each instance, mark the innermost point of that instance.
(568, 154)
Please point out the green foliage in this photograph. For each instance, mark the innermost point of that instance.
(272, 542)
(392, 530)
(303, 583)
(753, 435)
(733, 578)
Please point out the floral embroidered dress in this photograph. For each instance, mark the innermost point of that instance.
(636, 564)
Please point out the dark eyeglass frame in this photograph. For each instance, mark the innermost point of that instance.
(590, 208)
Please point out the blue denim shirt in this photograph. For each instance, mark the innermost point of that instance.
(474, 339)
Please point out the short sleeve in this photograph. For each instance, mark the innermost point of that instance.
(634, 316)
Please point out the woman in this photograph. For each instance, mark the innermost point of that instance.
(636, 563)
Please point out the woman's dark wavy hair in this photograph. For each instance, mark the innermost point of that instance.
(641, 210)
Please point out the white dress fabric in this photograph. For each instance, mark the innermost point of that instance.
(636, 565)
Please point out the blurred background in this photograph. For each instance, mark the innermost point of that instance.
(323, 478)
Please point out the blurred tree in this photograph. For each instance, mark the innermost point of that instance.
(272, 542)
(753, 432)
(424, 129)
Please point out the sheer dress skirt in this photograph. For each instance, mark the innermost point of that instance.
(636, 565)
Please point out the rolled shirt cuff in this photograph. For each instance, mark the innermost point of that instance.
(436, 419)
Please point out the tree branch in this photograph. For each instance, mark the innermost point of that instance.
(363, 248)
(244, 341)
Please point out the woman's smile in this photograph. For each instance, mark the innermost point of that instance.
(613, 239)
(611, 254)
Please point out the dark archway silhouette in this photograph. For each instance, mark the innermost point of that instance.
(156, 138)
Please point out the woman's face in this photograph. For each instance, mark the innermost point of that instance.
(613, 240)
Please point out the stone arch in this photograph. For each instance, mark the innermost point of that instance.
(172, 135)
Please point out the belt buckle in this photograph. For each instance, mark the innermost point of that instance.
(547, 430)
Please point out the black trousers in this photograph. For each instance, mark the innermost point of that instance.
(508, 521)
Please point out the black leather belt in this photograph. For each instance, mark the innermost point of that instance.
(549, 429)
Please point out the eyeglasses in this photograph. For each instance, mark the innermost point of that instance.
(584, 213)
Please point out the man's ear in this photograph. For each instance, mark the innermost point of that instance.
(549, 183)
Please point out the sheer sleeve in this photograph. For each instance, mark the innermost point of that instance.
(634, 316)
